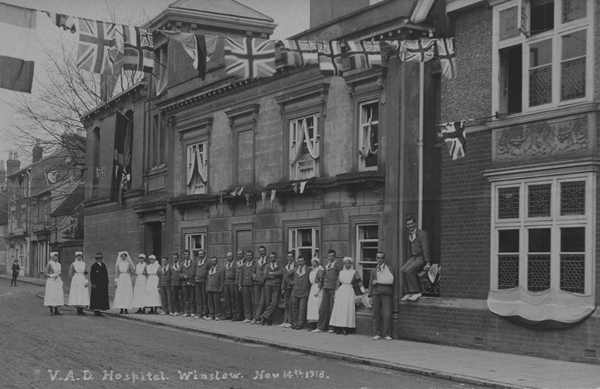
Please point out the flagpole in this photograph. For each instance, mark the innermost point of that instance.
(497, 115)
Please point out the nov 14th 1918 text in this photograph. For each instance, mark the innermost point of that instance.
(183, 375)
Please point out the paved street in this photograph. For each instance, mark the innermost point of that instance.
(43, 351)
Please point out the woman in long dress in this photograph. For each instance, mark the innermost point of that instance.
(79, 295)
(124, 293)
(314, 298)
(344, 310)
(54, 296)
(139, 289)
(152, 289)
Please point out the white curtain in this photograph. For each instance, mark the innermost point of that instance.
(202, 163)
(311, 143)
(367, 147)
(296, 150)
(191, 163)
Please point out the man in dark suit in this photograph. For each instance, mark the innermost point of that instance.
(99, 300)
(238, 313)
(259, 284)
(176, 289)
(202, 266)
(381, 289)
(164, 283)
(229, 288)
(214, 288)
(418, 260)
(246, 287)
(273, 276)
(287, 285)
(330, 279)
(300, 294)
(188, 273)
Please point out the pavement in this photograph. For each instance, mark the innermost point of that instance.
(469, 366)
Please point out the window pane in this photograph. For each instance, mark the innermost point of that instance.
(369, 251)
(540, 53)
(572, 273)
(538, 273)
(574, 44)
(508, 23)
(572, 77)
(305, 237)
(539, 200)
(572, 198)
(539, 240)
(508, 203)
(369, 232)
(540, 86)
(573, 9)
(508, 241)
(572, 240)
(508, 271)
(542, 16)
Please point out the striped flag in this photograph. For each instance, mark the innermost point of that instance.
(454, 135)
(330, 58)
(446, 55)
(64, 21)
(17, 47)
(361, 55)
(96, 39)
(421, 50)
(294, 53)
(138, 52)
(249, 57)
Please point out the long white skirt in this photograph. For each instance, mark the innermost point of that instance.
(54, 296)
(152, 293)
(139, 292)
(343, 314)
(78, 293)
(124, 292)
(312, 310)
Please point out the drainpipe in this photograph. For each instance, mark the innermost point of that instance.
(420, 142)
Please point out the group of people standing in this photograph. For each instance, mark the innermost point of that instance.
(243, 288)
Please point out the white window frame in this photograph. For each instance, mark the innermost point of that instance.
(190, 242)
(306, 166)
(363, 127)
(523, 223)
(196, 186)
(360, 262)
(560, 29)
(293, 241)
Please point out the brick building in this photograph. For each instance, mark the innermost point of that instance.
(517, 218)
(297, 161)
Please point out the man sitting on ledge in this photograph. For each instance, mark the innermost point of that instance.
(418, 253)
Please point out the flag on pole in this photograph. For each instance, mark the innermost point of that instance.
(17, 29)
(138, 49)
(96, 39)
(454, 134)
(64, 21)
(446, 54)
(421, 50)
(330, 58)
(249, 57)
(361, 55)
(294, 53)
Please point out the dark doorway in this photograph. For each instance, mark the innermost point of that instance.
(153, 239)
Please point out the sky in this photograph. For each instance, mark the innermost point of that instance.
(291, 17)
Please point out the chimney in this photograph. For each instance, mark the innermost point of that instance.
(12, 164)
(324, 11)
(38, 152)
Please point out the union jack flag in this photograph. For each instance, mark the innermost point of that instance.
(330, 58)
(454, 134)
(421, 50)
(293, 53)
(361, 55)
(249, 57)
(95, 42)
(445, 52)
(138, 49)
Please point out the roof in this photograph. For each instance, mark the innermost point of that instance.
(221, 7)
(71, 202)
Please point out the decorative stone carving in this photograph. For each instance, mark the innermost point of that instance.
(541, 139)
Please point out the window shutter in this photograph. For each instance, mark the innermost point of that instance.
(523, 21)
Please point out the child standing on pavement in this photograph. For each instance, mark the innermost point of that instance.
(15, 272)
